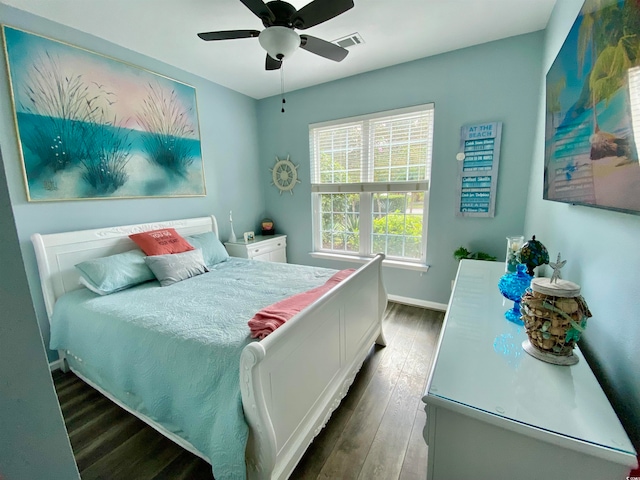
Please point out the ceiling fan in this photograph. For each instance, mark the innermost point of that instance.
(281, 19)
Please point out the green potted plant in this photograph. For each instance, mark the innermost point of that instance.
(462, 252)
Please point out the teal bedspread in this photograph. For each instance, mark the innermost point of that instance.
(173, 353)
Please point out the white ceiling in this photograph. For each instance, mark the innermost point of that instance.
(394, 31)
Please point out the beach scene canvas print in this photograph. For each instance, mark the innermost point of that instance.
(593, 110)
(93, 127)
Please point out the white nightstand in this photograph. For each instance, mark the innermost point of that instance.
(266, 248)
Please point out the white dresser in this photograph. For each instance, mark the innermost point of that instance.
(494, 412)
(267, 248)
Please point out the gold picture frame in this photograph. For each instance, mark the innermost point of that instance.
(93, 127)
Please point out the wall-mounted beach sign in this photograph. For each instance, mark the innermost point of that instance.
(92, 127)
(478, 169)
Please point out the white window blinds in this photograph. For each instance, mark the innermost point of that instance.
(373, 153)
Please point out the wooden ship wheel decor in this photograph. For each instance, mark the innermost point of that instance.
(285, 175)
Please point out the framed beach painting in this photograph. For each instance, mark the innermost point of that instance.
(92, 127)
(593, 110)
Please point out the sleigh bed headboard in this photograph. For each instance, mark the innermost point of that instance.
(58, 253)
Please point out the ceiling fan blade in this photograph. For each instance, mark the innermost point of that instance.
(323, 48)
(228, 35)
(260, 9)
(272, 64)
(319, 11)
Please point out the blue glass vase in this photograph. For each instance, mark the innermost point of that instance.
(513, 286)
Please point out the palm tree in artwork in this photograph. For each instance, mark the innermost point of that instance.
(609, 31)
(553, 99)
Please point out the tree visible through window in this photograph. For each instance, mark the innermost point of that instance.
(370, 179)
(341, 222)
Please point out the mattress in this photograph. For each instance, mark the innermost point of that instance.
(173, 353)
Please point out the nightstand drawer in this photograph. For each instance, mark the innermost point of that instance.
(263, 248)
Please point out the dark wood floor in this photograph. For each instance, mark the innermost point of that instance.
(376, 433)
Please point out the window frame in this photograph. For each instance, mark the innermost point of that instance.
(366, 190)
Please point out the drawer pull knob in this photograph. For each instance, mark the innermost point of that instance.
(256, 250)
(279, 244)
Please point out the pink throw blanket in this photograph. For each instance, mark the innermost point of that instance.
(269, 318)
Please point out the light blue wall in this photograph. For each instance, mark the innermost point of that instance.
(498, 81)
(33, 439)
(228, 130)
(601, 248)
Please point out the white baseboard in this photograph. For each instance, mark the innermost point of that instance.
(418, 303)
(55, 365)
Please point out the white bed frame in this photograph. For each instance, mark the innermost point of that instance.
(291, 381)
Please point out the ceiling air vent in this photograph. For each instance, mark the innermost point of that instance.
(349, 40)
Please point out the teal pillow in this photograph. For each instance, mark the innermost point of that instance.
(213, 251)
(175, 267)
(114, 273)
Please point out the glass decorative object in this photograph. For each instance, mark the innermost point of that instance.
(533, 254)
(512, 286)
(514, 244)
(267, 226)
(232, 235)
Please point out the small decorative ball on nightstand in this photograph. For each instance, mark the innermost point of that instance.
(267, 226)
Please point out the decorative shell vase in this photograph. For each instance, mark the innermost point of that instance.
(513, 286)
(554, 317)
(514, 244)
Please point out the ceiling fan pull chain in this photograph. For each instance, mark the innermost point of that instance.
(282, 85)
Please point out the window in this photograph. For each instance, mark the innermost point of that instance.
(370, 181)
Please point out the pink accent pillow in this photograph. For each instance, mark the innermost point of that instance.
(161, 242)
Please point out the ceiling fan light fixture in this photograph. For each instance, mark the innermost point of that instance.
(279, 42)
